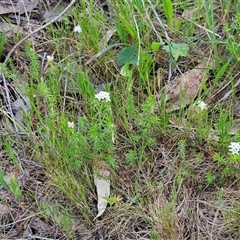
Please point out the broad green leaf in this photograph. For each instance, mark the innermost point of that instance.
(177, 49)
(128, 55)
(126, 70)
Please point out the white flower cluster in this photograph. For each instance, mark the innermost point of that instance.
(234, 148)
(71, 125)
(103, 95)
(202, 105)
(77, 29)
(50, 58)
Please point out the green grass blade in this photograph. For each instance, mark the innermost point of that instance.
(221, 72)
(2, 43)
(168, 10)
(2, 181)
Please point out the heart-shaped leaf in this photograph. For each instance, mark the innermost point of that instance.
(128, 55)
(177, 49)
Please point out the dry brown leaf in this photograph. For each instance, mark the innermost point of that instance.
(184, 89)
(179, 123)
(40, 226)
(17, 6)
(102, 186)
(4, 209)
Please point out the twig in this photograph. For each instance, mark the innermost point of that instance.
(159, 21)
(166, 156)
(139, 41)
(37, 30)
(226, 96)
(221, 96)
(205, 29)
(93, 58)
(152, 25)
(166, 36)
(21, 220)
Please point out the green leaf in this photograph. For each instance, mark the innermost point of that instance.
(155, 46)
(121, 31)
(126, 70)
(177, 49)
(17, 193)
(15, 187)
(168, 10)
(128, 55)
(2, 181)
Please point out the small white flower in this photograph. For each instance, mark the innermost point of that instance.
(77, 29)
(202, 105)
(234, 148)
(71, 124)
(103, 95)
(50, 58)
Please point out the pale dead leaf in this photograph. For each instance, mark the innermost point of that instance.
(22, 104)
(19, 106)
(51, 13)
(107, 37)
(191, 13)
(185, 88)
(4, 209)
(179, 123)
(235, 126)
(214, 135)
(102, 186)
(9, 29)
(17, 6)
(7, 180)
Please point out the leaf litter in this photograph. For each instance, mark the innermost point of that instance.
(182, 90)
(102, 183)
(16, 6)
(180, 94)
